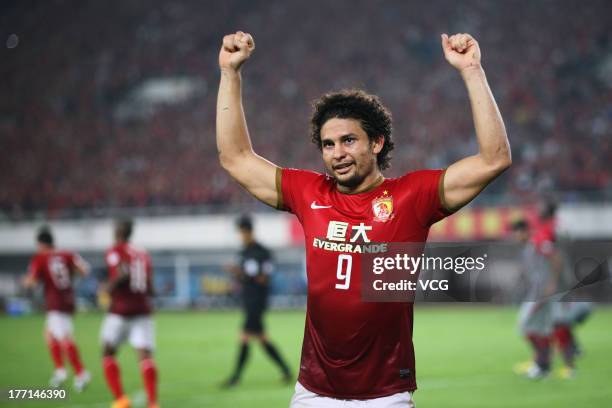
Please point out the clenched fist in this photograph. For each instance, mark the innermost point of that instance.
(236, 49)
(461, 51)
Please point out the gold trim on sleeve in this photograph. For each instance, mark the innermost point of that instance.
(443, 203)
(279, 188)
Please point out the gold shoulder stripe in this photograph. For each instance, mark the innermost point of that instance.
(443, 203)
(279, 189)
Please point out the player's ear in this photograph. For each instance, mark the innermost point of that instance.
(377, 144)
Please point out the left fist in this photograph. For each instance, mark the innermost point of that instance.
(461, 51)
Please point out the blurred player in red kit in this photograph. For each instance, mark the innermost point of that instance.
(130, 285)
(354, 350)
(56, 270)
(536, 314)
(562, 336)
(544, 320)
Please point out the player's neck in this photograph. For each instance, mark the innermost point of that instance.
(372, 181)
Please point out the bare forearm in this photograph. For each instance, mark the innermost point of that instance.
(28, 282)
(490, 129)
(254, 173)
(232, 134)
(466, 178)
(82, 268)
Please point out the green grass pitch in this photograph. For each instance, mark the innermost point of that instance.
(464, 359)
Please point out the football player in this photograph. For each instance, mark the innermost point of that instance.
(56, 271)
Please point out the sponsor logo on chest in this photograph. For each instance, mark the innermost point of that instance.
(339, 239)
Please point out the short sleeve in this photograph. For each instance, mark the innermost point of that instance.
(266, 254)
(149, 264)
(428, 186)
(293, 183)
(267, 262)
(70, 260)
(112, 261)
(34, 269)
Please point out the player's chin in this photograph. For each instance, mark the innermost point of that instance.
(341, 175)
(351, 179)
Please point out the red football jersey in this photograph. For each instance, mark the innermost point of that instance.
(132, 297)
(354, 349)
(55, 269)
(543, 237)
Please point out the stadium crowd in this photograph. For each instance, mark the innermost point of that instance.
(64, 147)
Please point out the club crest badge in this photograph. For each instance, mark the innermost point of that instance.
(382, 207)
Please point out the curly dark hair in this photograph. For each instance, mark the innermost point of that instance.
(356, 104)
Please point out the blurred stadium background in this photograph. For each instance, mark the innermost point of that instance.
(108, 110)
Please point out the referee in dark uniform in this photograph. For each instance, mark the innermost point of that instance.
(254, 273)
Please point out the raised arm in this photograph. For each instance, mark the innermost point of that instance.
(254, 173)
(466, 178)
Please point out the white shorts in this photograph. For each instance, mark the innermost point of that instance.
(307, 399)
(138, 330)
(59, 325)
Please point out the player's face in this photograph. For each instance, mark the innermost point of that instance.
(246, 236)
(348, 154)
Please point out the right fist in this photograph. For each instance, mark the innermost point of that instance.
(235, 50)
